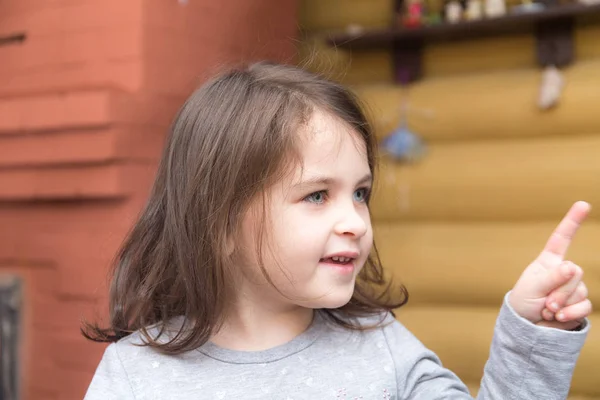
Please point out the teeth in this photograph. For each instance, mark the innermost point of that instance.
(340, 259)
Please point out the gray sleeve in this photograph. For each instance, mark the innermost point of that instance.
(526, 362)
(110, 382)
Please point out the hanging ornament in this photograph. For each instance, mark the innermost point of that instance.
(551, 87)
(402, 143)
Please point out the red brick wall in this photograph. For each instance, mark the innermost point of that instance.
(84, 106)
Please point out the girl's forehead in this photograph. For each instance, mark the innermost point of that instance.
(330, 146)
(324, 131)
(322, 122)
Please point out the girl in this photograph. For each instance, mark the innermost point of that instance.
(252, 273)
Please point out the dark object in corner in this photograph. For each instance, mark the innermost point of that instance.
(12, 39)
(10, 321)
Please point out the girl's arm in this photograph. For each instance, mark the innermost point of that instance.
(526, 362)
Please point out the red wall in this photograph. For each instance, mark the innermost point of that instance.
(84, 106)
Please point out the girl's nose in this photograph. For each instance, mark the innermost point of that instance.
(351, 223)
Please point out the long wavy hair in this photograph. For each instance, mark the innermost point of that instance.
(231, 139)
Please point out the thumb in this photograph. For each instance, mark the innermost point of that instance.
(556, 278)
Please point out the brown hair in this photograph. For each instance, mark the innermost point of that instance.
(230, 139)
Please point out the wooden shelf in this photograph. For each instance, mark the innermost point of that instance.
(553, 28)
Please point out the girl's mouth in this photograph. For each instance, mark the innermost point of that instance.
(337, 260)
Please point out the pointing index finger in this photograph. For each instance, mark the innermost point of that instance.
(561, 238)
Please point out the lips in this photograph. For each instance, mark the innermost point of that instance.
(340, 258)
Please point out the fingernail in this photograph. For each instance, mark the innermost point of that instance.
(554, 306)
(560, 316)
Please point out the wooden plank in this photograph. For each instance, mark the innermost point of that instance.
(62, 183)
(47, 112)
(92, 146)
(474, 57)
(476, 263)
(68, 147)
(491, 180)
(587, 42)
(102, 181)
(337, 14)
(468, 106)
(366, 68)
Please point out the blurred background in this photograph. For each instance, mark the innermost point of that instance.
(487, 113)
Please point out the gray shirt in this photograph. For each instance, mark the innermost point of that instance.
(329, 362)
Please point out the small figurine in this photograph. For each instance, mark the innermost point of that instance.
(414, 14)
(453, 11)
(433, 19)
(495, 8)
(474, 10)
(433, 11)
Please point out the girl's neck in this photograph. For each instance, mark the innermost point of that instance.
(250, 327)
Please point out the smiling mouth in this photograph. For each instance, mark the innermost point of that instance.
(337, 260)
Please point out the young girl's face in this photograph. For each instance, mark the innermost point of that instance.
(318, 226)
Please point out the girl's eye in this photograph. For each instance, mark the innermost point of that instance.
(361, 195)
(316, 197)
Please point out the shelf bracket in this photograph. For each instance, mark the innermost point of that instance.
(554, 42)
(407, 61)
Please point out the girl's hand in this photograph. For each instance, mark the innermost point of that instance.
(550, 292)
(568, 304)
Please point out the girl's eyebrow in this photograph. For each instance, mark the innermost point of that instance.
(325, 180)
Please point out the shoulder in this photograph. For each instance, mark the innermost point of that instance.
(384, 339)
(133, 350)
(397, 338)
(121, 369)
